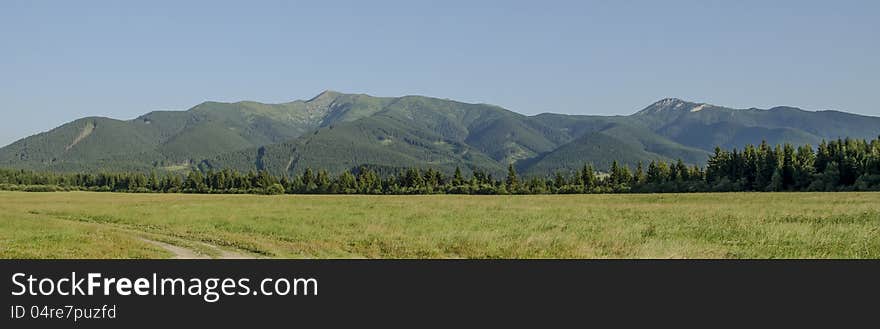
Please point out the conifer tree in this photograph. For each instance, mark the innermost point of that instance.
(457, 178)
(558, 180)
(589, 177)
(512, 181)
(639, 176)
(615, 177)
(788, 166)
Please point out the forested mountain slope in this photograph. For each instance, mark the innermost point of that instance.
(337, 131)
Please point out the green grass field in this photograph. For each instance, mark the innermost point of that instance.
(724, 225)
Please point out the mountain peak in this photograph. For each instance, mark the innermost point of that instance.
(672, 105)
(668, 101)
(326, 94)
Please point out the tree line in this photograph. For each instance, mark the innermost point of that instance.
(838, 165)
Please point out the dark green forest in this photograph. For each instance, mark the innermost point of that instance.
(838, 165)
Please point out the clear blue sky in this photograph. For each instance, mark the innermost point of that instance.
(63, 60)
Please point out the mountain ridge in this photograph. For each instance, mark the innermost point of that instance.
(340, 131)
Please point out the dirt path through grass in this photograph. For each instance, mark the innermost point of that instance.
(178, 252)
(185, 253)
(180, 248)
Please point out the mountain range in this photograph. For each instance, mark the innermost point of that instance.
(337, 131)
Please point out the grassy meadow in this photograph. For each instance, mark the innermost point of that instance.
(720, 225)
